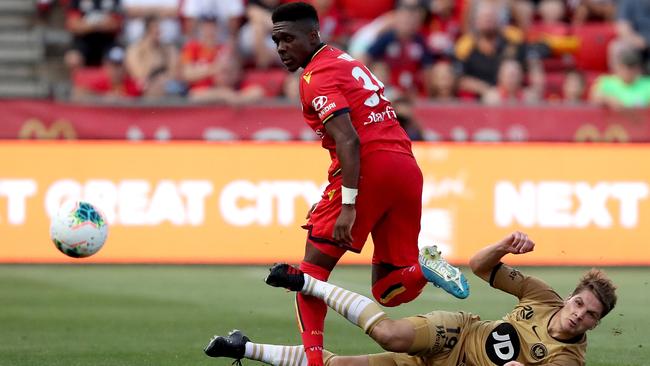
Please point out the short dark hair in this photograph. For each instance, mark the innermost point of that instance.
(293, 12)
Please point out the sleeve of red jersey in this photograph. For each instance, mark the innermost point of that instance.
(322, 93)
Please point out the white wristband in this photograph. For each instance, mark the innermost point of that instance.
(348, 195)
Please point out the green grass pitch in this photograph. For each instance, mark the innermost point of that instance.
(71, 315)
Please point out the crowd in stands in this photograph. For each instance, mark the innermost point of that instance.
(489, 51)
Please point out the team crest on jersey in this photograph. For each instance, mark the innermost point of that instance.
(307, 77)
(538, 351)
(319, 102)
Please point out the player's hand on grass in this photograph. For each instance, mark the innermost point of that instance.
(343, 225)
(518, 243)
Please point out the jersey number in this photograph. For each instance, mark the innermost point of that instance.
(368, 84)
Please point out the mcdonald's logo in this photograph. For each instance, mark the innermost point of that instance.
(613, 133)
(34, 128)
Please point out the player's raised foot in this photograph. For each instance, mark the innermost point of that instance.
(232, 346)
(442, 274)
(284, 275)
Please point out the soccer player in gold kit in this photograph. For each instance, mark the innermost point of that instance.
(542, 329)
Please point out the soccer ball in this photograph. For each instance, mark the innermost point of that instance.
(78, 229)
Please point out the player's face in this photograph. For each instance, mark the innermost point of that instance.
(294, 43)
(580, 313)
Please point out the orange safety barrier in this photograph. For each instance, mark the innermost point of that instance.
(245, 202)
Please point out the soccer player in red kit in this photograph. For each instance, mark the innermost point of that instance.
(375, 184)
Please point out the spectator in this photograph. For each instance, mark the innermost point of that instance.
(574, 87)
(522, 14)
(212, 70)
(404, 109)
(361, 40)
(586, 11)
(510, 86)
(228, 88)
(552, 30)
(111, 82)
(480, 51)
(503, 10)
(443, 83)
(633, 27)
(402, 50)
(255, 36)
(94, 25)
(552, 12)
(200, 55)
(332, 22)
(443, 26)
(228, 13)
(291, 88)
(626, 87)
(165, 10)
(153, 65)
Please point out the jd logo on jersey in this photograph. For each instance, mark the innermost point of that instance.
(502, 345)
(319, 102)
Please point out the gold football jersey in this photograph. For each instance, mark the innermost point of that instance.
(522, 334)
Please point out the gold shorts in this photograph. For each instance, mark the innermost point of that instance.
(439, 337)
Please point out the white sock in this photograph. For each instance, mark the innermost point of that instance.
(276, 355)
(356, 308)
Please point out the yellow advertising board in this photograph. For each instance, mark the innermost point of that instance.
(244, 202)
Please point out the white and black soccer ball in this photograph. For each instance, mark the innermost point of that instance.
(78, 229)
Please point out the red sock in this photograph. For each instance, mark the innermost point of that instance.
(311, 317)
(399, 286)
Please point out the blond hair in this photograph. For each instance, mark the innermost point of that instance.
(596, 281)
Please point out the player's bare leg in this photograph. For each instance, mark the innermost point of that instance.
(348, 361)
(394, 335)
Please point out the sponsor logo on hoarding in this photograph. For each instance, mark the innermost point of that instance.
(34, 128)
(561, 204)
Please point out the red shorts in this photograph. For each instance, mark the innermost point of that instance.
(389, 206)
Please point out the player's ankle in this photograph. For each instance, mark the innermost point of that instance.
(314, 355)
(309, 280)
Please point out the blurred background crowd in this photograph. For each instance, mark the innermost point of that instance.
(483, 51)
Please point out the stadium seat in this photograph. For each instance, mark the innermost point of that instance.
(554, 82)
(592, 52)
(365, 9)
(270, 80)
(553, 85)
(86, 76)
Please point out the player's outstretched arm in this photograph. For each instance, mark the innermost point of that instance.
(485, 259)
(347, 149)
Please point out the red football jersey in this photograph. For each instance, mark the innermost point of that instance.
(333, 83)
